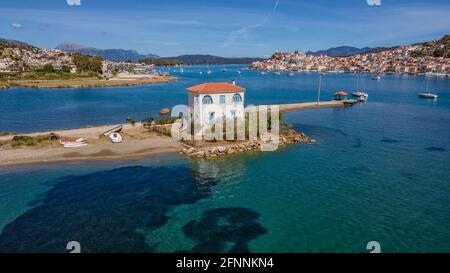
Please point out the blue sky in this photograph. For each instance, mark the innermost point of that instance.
(233, 28)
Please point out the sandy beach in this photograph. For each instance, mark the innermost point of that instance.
(137, 142)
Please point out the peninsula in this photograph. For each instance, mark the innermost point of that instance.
(28, 66)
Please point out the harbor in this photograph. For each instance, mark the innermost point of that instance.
(365, 178)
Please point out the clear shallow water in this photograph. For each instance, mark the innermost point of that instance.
(378, 172)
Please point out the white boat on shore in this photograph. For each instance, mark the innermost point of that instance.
(115, 137)
(74, 144)
(114, 130)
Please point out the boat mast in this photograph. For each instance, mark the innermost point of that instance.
(318, 90)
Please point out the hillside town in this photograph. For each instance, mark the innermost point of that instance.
(20, 58)
(398, 60)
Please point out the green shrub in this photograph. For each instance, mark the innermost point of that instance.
(18, 141)
(131, 121)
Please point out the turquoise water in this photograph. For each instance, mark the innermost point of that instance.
(379, 171)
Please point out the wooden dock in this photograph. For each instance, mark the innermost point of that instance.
(314, 105)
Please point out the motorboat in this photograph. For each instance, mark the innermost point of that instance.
(362, 98)
(360, 94)
(263, 73)
(376, 77)
(277, 73)
(115, 137)
(291, 74)
(427, 95)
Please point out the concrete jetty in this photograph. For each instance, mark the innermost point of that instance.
(312, 105)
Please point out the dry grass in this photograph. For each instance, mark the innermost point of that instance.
(28, 141)
(89, 82)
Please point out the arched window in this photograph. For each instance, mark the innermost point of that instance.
(237, 98)
(207, 100)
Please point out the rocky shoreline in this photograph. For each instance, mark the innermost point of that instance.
(215, 151)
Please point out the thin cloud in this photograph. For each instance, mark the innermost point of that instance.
(73, 2)
(234, 35)
(17, 25)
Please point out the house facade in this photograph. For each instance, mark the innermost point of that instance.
(210, 101)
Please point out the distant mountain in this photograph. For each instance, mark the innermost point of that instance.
(210, 59)
(108, 54)
(341, 51)
(14, 42)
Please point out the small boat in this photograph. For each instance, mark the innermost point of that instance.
(201, 73)
(74, 144)
(208, 72)
(224, 70)
(263, 73)
(113, 130)
(377, 77)
(277, 73)
(362, 98)
(115, 137)
(239, 72)
(427, 95)
(291, 74)
(360, 94)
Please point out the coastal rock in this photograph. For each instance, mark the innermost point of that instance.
(190, 150)
(222, 150)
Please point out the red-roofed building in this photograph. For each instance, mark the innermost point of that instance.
(209, 101)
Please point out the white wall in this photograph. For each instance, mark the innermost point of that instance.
(201, 111)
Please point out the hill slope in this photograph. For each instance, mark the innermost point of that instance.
(341, 51)
(108, 54)
(210, 59)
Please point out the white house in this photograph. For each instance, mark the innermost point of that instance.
(209, 101)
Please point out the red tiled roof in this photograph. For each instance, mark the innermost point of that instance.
(216, 87)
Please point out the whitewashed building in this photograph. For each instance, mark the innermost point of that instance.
(209, 101)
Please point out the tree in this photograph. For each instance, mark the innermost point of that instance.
(48, 68)
(87, 63)
(65, 69)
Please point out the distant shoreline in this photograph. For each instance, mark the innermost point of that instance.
(88, 82)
